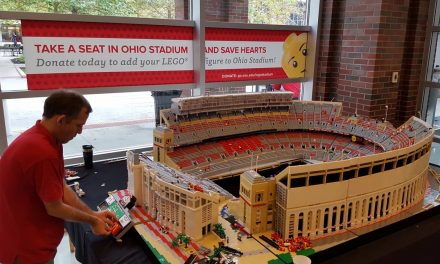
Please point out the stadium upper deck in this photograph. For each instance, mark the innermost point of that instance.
(218, 135)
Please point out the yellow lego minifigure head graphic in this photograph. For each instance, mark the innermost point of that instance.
(293, 60)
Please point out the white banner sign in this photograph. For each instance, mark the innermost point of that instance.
(70, 55)
(221, 55)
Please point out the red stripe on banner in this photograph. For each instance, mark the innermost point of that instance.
(41, 28)
(230, 75)
(107, 79)
(229, 34)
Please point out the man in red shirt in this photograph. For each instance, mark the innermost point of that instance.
(34, 199)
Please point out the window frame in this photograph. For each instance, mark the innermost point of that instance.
(197, 88)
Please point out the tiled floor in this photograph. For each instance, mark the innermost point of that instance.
(64, 256)
(435, 154)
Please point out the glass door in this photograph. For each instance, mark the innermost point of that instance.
(433, 118)
(431, 85)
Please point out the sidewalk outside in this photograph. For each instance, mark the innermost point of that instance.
(118, 121)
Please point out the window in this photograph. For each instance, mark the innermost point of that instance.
(435, 149)
(364, 171)
(349, 174)
(326, 218)
(341, 217)
(435, 74)
(370, 204)
(300, 223)
(118, 121)
(282, 12)
(333, 177)
(401, 162)
(334, 215)
(377, 168)
(110, 128)
(298, 182)
(349, 214)
(418, 154)
(256, 12)
(316, 179)
(390, 165)
(259, 197)
(166, 9)
(410, 159)
(430, 109)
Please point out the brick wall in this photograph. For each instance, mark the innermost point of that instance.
(332, 23)
(412, 60)
(362, 43)
(235, 11)
(181, 9)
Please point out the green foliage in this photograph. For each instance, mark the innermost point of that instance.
(183, 238)
(47, 6)
(282, 259)
(215, 254)
(218, 228)
(180, 236)
(175, 243)
(259, 11)
(279, 12)
(306, 252)
(154, 8)
(113, 8)
(186, 240)
(129, 8)
(20, 59)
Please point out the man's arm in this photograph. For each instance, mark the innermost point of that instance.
(73, 200)
(73, 209)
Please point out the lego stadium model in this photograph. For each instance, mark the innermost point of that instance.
(306, 172)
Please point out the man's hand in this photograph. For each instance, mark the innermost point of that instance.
(103, 223)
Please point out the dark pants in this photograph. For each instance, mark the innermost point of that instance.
(47, 262)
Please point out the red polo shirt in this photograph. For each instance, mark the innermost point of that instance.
(31, 174)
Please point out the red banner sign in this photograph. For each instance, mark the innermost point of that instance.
(254, 54)
(83, 54)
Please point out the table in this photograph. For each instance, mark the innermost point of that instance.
(96, 182)
(402, 242)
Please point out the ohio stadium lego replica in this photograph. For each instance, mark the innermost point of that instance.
(305, 170)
